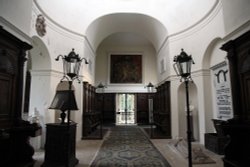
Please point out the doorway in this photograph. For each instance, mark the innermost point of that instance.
(125, 109)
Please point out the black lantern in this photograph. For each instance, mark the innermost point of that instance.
(182, 67)
(150, 87)
(183, 64)
(72, 64)
(101, 88)
(71, 67)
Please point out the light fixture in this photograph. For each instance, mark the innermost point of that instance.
(64, 100)
(182, 67)
(150, 87)
(71, 66)
(101, 88)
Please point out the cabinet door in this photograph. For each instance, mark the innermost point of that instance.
(6, 100)
(142, 108)
(245, 82)
(109, 108)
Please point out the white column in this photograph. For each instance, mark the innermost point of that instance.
(175, 83)
(205, 108)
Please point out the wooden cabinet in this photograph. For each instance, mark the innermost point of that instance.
(14, 132)
(60, 145)
(12, 58)
(237, 150)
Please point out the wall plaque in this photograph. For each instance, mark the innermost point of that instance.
(223, 96)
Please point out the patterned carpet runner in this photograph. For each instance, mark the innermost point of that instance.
(127, 146)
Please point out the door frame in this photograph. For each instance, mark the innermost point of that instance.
(126, 109)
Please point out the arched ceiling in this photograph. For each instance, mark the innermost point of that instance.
(155, 19)
(126, 39)
(139, 24)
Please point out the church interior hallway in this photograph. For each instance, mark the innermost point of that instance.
(87, 150)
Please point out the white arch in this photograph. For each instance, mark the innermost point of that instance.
(193, 101)
(39, 63)
(144, 25)
(206, 61)
(39, 55)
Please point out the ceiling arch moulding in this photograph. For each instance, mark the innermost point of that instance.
(199, 24)
(126, 39)
(195, 27)
(61, 29)
(169, 13)
(144, 25)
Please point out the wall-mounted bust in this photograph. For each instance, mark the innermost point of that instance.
(40, 25)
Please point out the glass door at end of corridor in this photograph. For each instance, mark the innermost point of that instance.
(125, 109)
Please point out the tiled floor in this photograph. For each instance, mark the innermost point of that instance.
(87, 149)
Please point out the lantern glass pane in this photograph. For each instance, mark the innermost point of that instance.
(77, 67)
(185, 68)
(150, 89)
(70, 69)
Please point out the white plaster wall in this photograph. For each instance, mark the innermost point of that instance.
(202, 102)
(164, 63)
(140, 24)
(176, 15)
(175, 82)
(149, 67)
(40, 100)
(17, 13)
(193, 101)
(57, 41)
(60, 42)
(235, 13)
(88, 70)
(195, 42)
(217, 55)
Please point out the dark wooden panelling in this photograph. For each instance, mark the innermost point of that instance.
(142, 108)
(162, 113)
(14, 132)
(109, 108)
(92, 114)
(237, 150)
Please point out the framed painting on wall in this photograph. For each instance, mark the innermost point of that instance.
(125, 68)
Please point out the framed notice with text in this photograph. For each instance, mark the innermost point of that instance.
(223, 98)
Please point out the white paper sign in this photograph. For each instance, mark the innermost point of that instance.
(223, 96)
